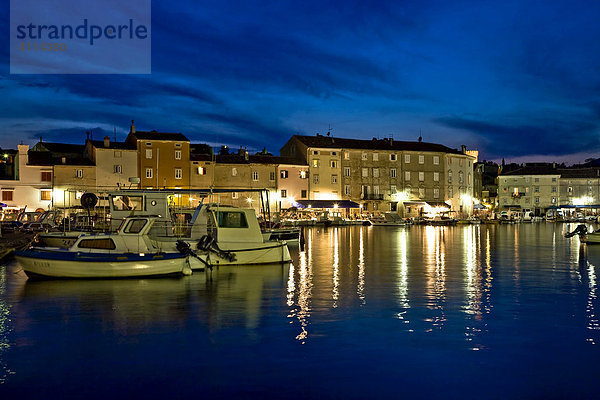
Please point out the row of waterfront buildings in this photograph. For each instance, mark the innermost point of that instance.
(379, 175)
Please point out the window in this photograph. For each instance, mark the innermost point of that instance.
(393, 157)
(316, 178)
(272, 175)
(570, 190)
(393, 172)
(376, 189)
(469, 179)
(255, 176)
(421, 159)
(346, 155)
(553, 189)
(407, 175)
(407, 158)
(450, 191)
(234, 195)
(375, 156)
(536, 189)
(536, 179)
(436, 176)
(45, 194)
(148, 172)
(303, 193)
(126, 203)
(79, 173)
(46, 176)
(148, 153)
(177, 173)
(283, 174)
(553, 179)
(375, 172)
(346, 171)
(436, 193)
(421, 176)
(554, 200)
(363, 156)
(148, 144)
(283, 193)
(333, 163)
(233, 171)
(117, 169)
(315, 163)
(231, 219)
(104, 244)
(393, 189)
(303, 174)
(365, 172)
(449, 176)
(421, 192)
(334, 153)
(201, 171)
(178, 154)
(347, 190)
(117, 154)
(436, 160)
(315, 152)
(178, 145)
(460, 162)
(333, 178)
(537, 200)
(7, 195)
(449, 161)
(460, 177)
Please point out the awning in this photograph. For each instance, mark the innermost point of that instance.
(511, 206)
(479, 207)
(3, 205)
(414, 203)
(326, 204)
(438, 204)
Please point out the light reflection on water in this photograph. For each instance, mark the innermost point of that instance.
(454, 303)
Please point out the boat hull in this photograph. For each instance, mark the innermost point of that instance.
(64, 264)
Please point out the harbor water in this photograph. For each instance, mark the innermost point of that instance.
(472, 311)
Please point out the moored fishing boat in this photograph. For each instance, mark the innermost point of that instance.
(127, 253)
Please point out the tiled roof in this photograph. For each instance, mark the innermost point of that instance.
(112, 145)
(154, 135)
(580, 173)
(61, 148)
(373, 144)
(45, 158)
(240, 159)
(548, 169)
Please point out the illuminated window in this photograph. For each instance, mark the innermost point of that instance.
(303, 174)
(233, 171)
(407, 175)
(45, 194)
(284, 174)
(315, 163)
(7, 195)
(346, 155)
(201, 171)
(421, 159)
(436, 176)
(375, 156)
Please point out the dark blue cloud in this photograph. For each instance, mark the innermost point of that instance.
(506, 77)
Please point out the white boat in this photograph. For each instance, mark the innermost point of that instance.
(223, 235)
(125, 254)
(388, 219)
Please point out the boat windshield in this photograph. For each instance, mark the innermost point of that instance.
(231, 219)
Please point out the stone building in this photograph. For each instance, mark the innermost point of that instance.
(385, 174)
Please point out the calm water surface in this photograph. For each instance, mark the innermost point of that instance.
(365, 312)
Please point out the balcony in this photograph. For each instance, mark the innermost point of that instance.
(518, 195)
(371, 196)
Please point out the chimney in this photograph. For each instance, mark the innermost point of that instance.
(132, 128)
(64, 160)
(463, 149)
(391, 141)
(106, 142)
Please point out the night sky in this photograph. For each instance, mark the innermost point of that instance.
(513, 79)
